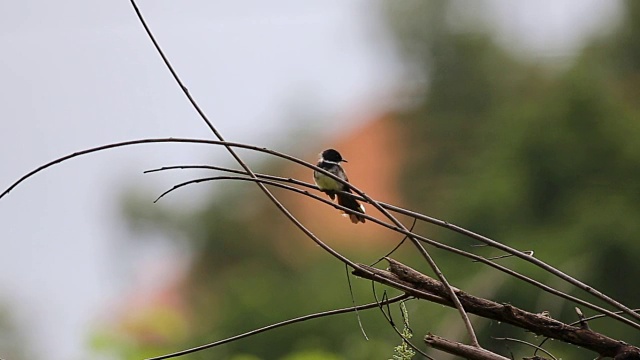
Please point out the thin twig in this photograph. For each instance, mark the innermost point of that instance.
(506, 249)
(527, 252)
(193, 141)
(523, 254)
(277, 325)
(353, 301)
(397, 246)
(229, 148)
(593, 317)
(475, 258)
(581, 285)
(175, 76)
(311, 166)
(527, 343)
(393, 326)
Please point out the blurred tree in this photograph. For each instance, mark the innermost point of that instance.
(536, 159)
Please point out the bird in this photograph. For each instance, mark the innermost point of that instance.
(330, 160)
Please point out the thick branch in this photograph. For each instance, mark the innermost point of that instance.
(417, 284)
(462, 350)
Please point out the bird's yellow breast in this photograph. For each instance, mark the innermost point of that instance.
(327, 183)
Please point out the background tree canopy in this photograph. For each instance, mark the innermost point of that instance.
(539, 157)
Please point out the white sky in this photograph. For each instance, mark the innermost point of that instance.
(76, 74)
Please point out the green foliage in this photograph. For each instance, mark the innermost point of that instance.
(143, 334)
(313, 355)
(404, 351)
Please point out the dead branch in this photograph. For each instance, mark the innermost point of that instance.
(417, 284)
(462, 350)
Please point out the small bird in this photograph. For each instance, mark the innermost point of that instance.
(330, 161)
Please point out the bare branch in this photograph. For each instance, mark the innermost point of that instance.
(528, 343)
(421, 238)
(280, 324)
(229, 148)
(397, 246)
(303, 163)
(594, 317)
(195, 141)
(179, 81)
(393, 326)
(587, 288)
(520, 254)
(420, 284)
(462, 350)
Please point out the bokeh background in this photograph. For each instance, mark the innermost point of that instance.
(518, 120)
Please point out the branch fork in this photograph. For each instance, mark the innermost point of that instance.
(422, 286)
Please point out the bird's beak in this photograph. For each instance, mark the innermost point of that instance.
(344, 160)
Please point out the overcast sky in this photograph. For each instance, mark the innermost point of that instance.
(76, 74)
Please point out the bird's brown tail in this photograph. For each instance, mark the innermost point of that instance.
(350, 202)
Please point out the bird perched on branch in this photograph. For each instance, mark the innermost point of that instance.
(330, 161)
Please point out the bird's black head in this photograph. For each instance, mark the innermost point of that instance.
(333, 156)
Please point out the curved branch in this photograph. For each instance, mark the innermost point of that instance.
(579, 284)
(281, 207)
(471, 235)
(313, 167)
(415, 241)
(175, 76)
(193, 141)
(273, 180)
(439, 245)
(393, 326)
(529, 344)
(280, 324)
